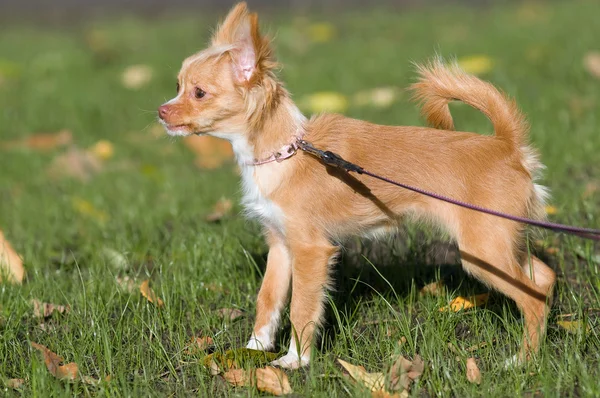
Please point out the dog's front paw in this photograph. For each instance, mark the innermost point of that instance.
(513, 362)
(258, 343)
(291, 361)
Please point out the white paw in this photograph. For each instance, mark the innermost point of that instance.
(513, 362)
(256, 343)
(291, 361)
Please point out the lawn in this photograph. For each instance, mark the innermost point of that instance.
(138, 210)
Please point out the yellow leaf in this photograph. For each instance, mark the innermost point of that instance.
(551, 210)
(461, 303)
(476, 64)
(325, 102)
(321, 32)
(473, 373)
(136, 76)
(233, 359)
(147, 292)
(573, 326)
(85, 208)
(372, 381)
(10, 262)
(102, 149)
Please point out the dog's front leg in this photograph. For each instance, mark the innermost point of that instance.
(310, 276)
(273, 293)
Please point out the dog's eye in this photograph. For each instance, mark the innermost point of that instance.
(178, 86)
(199, 93)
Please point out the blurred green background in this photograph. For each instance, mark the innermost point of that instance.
(92, 194)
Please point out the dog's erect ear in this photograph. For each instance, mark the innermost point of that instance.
(251, 54)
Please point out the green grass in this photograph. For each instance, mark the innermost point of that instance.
(156, 201)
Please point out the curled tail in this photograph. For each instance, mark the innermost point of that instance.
(439, 84)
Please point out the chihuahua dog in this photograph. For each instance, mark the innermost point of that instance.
(230, 90)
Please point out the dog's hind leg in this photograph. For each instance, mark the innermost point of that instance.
(488, 253)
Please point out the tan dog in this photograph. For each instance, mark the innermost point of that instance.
(229, 90)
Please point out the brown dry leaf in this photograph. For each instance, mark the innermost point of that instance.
(403, 372)
(75, 163)
(435, 289)
(42, 141)
(220, 210)
(573, 326)
(199, 344)
(590, 189)
(552, 250)
(230, 313)
(268, 379)
(10, 262)
(372, 381)
(473, 373)
(15, 384)
(53, 363)
(461, 303)
(44, 310)
(385, 394)
(211, 152)
(478, 346)
(147, 292)
(591, 62)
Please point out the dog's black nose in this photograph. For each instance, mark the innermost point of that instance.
(162, 111)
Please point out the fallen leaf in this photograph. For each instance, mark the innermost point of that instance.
(473, 373)
(53, 363)
(591, 62)
(372, 381)
(476, 64)
(230, 313)
(10, 262)
(381, 97)
(234, 359)
(42, 141)
(551, 210)
(85, 208)
(403, 372)
(211, 152)
(270, 380)
(478, 346)
(75, 163)
(15, 384)
(590, 189)
(44, 310)
(136, 76)
(573, 326)
(402, 341)
(321, 32)
(461, 303)
(435, 289)
(220, 210)
(199, 344)
(552, 250)
(324, 102)
(102, 149)
(147, 292)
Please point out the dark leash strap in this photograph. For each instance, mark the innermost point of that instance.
(332, 159)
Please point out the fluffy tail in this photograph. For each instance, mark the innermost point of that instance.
(439, 84)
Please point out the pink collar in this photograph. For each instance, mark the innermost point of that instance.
(285, 152)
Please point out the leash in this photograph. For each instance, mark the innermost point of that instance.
(335, 160)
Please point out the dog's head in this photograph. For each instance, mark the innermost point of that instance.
(224, 89)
